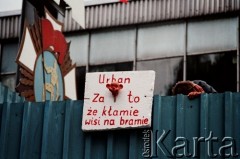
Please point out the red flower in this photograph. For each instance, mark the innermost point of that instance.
(114, 88)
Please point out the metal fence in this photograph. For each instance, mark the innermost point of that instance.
(52, 130)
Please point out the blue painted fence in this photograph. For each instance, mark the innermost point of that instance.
(52, 130)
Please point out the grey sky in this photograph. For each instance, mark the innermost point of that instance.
(9, 5)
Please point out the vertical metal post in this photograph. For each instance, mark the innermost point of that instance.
(136, 45)
(89, 49)
(0, 61)
(185, 54)
(238, 61)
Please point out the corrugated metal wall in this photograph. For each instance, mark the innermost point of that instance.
(134, 12)
(53, 129)
(145, 11)
(10, 27)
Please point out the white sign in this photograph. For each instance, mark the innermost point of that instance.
(130, 108)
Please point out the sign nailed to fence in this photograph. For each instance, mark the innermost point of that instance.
(115, 100)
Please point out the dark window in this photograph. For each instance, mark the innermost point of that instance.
(8, 65)
(126, 66)
(218, 70)
(9, 54)
(80, 82)
(168, 72)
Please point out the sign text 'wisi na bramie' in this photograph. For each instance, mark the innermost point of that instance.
(115, 100)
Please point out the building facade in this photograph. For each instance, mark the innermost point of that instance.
(179, 39)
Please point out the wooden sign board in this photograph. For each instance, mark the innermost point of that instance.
(132, 107)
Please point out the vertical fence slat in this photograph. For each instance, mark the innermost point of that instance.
(168, 120)
(229, 115)
(74, 144)
(32, 129)
(24, 149)
(212, 123)
(188, 122)
(46, 120)
(78, 150)
(216, 117)
(4, 93)
(88, 148)
(164, 123)
(110, 144)
(53, 128)
(236, 125)
(229, 119)
(67, 130)
(232, 127)
(121, 144)
(204, 124)
(1, 114)
(15, 130)
(4, 130)
(98, 145)
(11, 130)
(181, 124)
(155, 125)
(136, 144)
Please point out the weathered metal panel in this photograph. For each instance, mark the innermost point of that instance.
(211, 116)
(106, 48)
(212, 36)
(187, 118)
(166, 106)
(212, 120)
(232, 117)
(11, 128)
(73, 140)
(53, 129)
(32, 131)
(79, 48)
(158, 41)
(10, 123)
(1, 109)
